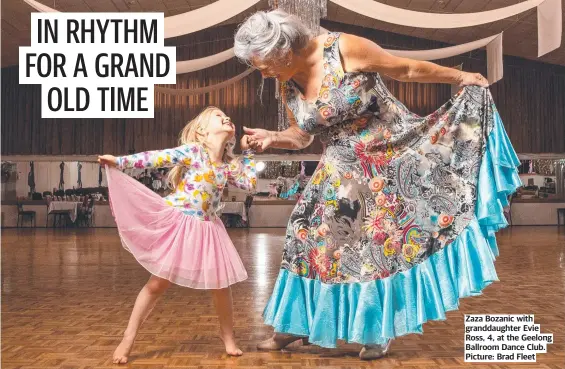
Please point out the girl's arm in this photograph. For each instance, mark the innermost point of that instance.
(182, 155)
(243, 173)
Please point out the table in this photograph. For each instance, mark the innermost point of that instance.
(234, 207)
(70, 206)
(264, 213)
(531, 212)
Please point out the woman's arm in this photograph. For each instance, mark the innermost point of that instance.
(362, 55)
(292, 138)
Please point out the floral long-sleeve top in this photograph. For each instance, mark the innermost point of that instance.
(200, 190)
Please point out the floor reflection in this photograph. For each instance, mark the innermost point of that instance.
(67, 295)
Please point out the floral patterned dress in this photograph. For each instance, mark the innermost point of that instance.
(180, 237)
(200, 191)
(391, 190)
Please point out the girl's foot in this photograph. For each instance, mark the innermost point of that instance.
(231, 346)
(372, 352)
(123, 350)
(279, 341)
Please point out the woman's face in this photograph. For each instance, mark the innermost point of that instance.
(281, 69)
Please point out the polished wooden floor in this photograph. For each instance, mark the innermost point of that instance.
(67, 295)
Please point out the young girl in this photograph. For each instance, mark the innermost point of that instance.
(179, 238)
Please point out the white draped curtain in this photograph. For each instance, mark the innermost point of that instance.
(47, 175)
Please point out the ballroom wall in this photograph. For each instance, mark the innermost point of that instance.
(530, 98)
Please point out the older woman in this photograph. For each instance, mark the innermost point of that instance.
(397, 223)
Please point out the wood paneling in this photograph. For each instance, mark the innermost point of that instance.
(530, 98)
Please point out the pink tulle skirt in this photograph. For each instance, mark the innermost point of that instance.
(168, 243)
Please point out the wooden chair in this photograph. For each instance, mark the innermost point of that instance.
(87, 213)
(508, 210)
(560, 213)
(248, 203)
(81, 216)
(25, 214)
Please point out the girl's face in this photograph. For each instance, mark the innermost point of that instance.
(219, 124)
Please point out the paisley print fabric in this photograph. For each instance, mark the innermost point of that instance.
(392, 188)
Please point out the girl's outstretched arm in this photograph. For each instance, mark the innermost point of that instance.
(182, 155)
(243, 174)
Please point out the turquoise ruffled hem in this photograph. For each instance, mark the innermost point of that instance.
(373, 312)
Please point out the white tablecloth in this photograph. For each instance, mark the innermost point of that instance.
(71, 206)
(234, 207)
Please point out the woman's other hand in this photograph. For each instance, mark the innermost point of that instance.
(473, 79)
(259, 139)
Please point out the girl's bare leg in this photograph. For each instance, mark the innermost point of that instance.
(224, 308)
(144, 304)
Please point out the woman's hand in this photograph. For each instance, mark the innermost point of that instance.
(108, 160)
(259, 139)
(472, 79)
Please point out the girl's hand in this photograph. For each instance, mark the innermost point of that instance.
(246, 143)
(472, 79)
(259, 139)
(108, 160)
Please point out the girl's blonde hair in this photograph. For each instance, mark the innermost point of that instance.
(192, 133)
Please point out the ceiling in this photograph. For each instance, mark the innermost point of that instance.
(520, 32)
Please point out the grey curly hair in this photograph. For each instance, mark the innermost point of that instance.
(267, 35)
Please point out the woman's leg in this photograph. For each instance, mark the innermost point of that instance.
(144, 303)
(279, 341)
(372, 352)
